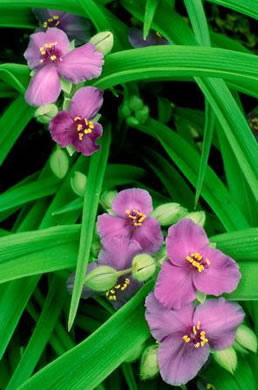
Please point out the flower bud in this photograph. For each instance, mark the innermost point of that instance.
(103, 41)
(246, 338)
(168, 213)
(135, 354)
(78, 183)
(149, 363)
(135, 103)
(143, 267)
(125, 110)
(226, 358)
(132, 121)
(197, 217)
(59, 163)
(101, 278)
(66, 86)
(107, 198)
(143, 114)
(45, 113)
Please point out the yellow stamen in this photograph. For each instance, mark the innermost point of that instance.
(197, 345)
(42, 50)
(53, 57)
(57, 23)
(198, 325)
(186, 338)
(87, 131)
(77, 118)
(45, 24)
(56, 17)
(194, 330)
(91, 125)
(86, 122)
(207, 261)
(79, 127)
(80, 136)
(50, 20)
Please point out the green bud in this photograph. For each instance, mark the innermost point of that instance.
(197, 217)
(168, 213)
(226, 358)
(45, 113)
(201, 297)
(143, 114)
(135, 103)
(149, 363)
(70, 149)
(132, 121)
(59, 163)
(246, 338)
(107, 198)
(135, 354)
(78, 183)
(125, 110)
(103, 41)
(66, 86)
(143, 267)
(101, 278)
(66, 103)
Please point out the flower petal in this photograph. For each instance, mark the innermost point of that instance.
(134, 198)
(183, 238)
(86, 102)
(44, 87)
(119, 252)
(166, 322)
(219, 319)
(149, 235)
(76, 27)
(42, 14)
(81, 64)
(135, 38)
(174, 287)
(222, 275)
(110, 226)
(87, 145)
(179, 362)
(61, 128)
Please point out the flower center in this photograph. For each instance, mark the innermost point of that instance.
(51, 22)
(49, 53)
(197, 261)
(196, 336)
(112, 294)
(136, 217)
(83, 126)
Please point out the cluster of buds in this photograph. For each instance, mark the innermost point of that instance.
(134, 111)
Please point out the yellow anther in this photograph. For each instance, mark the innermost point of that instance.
(204, 342)
(207, 261)
(197, 345)
(55, 17)
(127, 281)
(50, 20)
(198, 325)
(86, 122)
(200, 268)
(57, 23)
(45, 24)
(42, 50)
(132, 216)
(202, 333)
(107, 293)
(137, 224)
(188, 258)
(80, 136)
(87, 131)
(117, 286)
(53, 57)
(48, 45)
(77, 118)
(186, 338)
(79, 127)
(91, 125)
(112, 291)
(194, 330)
(127, 212)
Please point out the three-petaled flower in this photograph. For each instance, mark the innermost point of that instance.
(76, 126)
(49, 55)
(131, 220)
(193, 266)
(187, 335)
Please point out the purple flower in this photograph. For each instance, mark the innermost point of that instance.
(74, 26)
(187, 335)
(154, 38)
(48, 54)
(76, 126)
(132, 208)
(193, 266)
(119, 256)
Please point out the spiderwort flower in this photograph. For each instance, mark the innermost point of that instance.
(76, 126)
(119, 256)
(48, 54)
(154, 38)
(193, 266)
(187, 335)
(132, 208)
(74, 26)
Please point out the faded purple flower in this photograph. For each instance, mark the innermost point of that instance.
(48, 54)
(187, 335)
(76, 126)
(193, 266)
(119, 256)
(132, 208)
(74, 26)
(154, 38)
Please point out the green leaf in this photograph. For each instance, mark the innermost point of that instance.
(19, 17)
(95, 178)
(246, 7)
(150, 8)
(79, 367)
(12, 123)
(15, 75)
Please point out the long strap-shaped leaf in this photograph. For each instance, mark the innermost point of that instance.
(96, 173)
(107, 348)
(247, 7)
